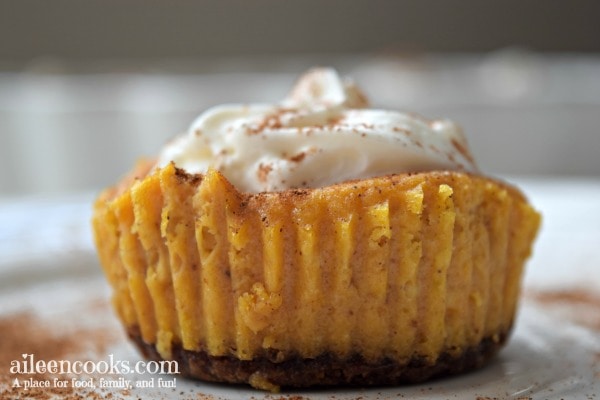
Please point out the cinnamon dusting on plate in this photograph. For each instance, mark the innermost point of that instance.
(578, 304)
(24, 333)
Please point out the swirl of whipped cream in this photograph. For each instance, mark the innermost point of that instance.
(321, 134)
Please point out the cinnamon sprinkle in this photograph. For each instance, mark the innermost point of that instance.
(272, 121)
(24, 333)
(402, 130)
(263, 172)
(582, 304)
(462, 150)
(298, 157)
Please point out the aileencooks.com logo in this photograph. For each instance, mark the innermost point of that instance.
(30, 373)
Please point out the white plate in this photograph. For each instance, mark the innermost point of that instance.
(554, 351)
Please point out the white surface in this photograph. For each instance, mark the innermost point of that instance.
(53, 271)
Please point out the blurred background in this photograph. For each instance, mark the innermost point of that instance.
(88, 87)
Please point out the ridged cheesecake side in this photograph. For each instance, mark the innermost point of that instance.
(414, 270)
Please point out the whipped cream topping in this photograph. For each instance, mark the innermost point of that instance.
(321, 134)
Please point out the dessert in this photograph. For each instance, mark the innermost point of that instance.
(315, 242)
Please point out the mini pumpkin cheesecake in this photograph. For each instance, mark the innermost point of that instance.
(315, 242)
